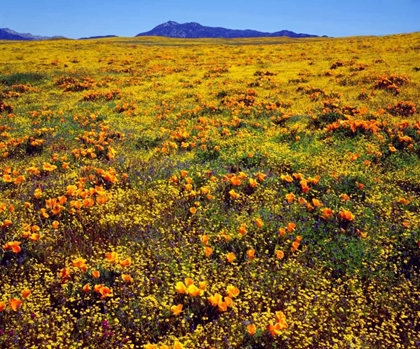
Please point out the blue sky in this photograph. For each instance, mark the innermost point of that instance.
(78, 18)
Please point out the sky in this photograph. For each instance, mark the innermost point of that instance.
(81, 18)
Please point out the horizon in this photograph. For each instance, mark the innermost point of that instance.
(128, 18)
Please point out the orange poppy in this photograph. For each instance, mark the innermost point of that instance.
(86, 288)
(7, 178)
(26, 293)
(150, 346)
(105, 292)
(279, 254)
(205, 239)
(222, 306)
(7, 222)
(34, 237)
(316, 202)
(111, 257)
(15, 304)
(127, 278)
(259, 222)
(2, 306)
(203, 285)
(176, 309)
(126, 262)
(80, 263)
(232, 291)
(208, 251)
(13, 245)
(252, 329)
(233, 194)
(96, 274)
(181, 288)
(235, 181)
(295, 245)
(55, 224)
(346, 215)
(71, 190)
(253, 183)
(291, 226)
(242, 229)
(251, 254)
(230, 257)
(327, 213)
(228, 301)
(282, 231)
(65, 274)
(287, 178)
(261, 176)
(194, 291)
(20, 179)
(215, 299)
(290, 197)
(178, 345)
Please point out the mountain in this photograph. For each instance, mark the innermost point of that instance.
(99, 37)
(8, 34)
(195, 30)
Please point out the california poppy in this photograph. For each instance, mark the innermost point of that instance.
(242, 229)
(13, 245)
(112, 257)
(178, 345)
(259, 222)
(232, 291)
(290, 197)
(80, 263)
(126, 262)
(15, 304)
(230, 257)
(215, 299)
(279, 254)
(208, 251)
(26, 293)
(251, 254)
(346, 215)
(222, 306)
(2, 306)
(127, 278)
(180, 287)
(203, 285)
(252, 329)
(176, 309)
(233, 194)
(105, 292)
(326, 213)
(194, 291)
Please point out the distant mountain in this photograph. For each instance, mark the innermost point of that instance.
(99, 37)
(195, 30)
(8, 34)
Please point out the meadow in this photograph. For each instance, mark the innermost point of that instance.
(166, 193)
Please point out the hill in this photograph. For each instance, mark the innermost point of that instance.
(195, 30)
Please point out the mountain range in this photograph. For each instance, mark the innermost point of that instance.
(170, 29)
(195, 30)
(9, 34)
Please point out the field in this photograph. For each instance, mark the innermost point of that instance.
(165, 193)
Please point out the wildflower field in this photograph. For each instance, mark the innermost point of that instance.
(168, 193)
